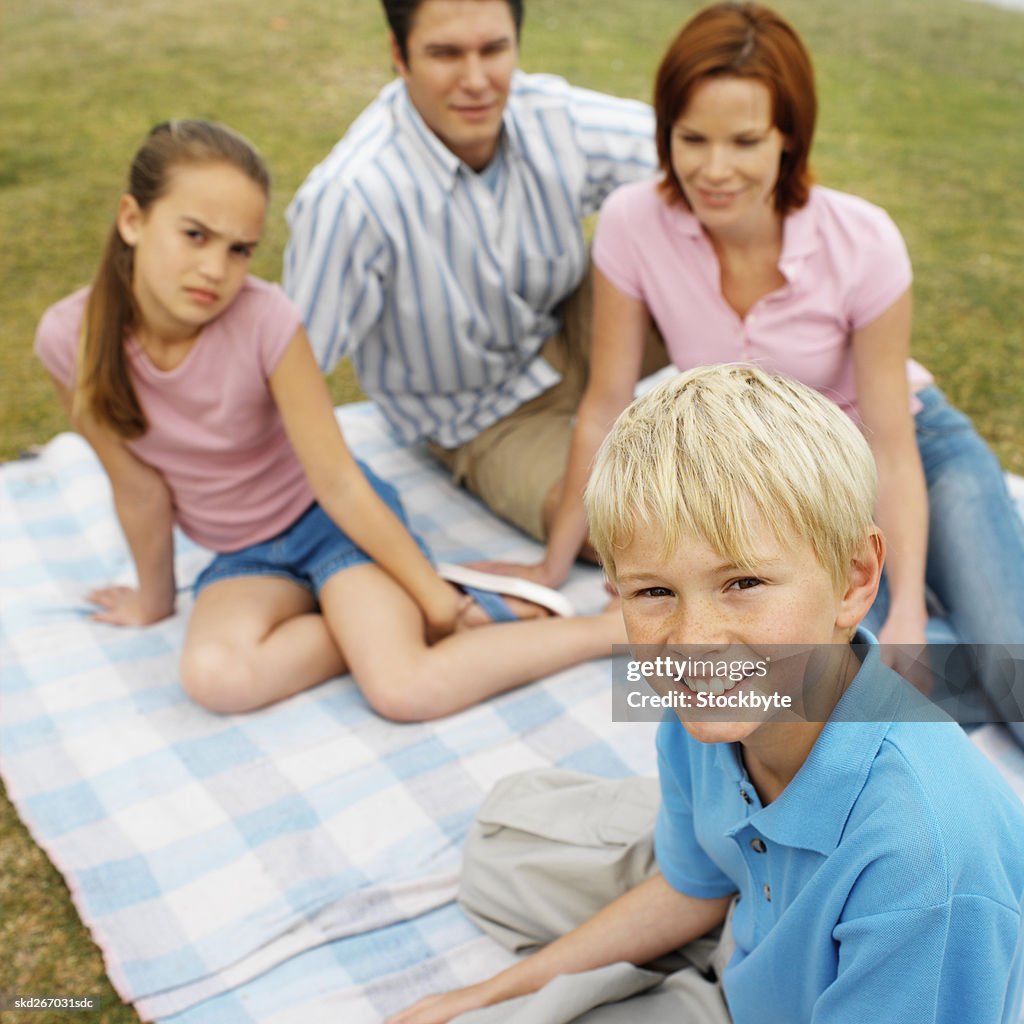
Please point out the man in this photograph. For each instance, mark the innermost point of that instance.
(439, 241)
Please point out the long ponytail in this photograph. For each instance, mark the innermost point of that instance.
(104, 391)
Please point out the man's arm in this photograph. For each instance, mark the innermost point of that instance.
(647, 922)
(337, 268)
(616, 139)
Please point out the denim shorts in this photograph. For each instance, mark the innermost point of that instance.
(309, 552)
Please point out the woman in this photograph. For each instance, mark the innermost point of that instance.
(738, 257)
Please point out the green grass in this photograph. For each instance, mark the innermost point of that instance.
(920, 112)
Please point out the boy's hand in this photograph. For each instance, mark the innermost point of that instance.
(442, 1008)
(124, 606)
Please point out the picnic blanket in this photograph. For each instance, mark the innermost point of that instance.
(293, 864)
(202, 851)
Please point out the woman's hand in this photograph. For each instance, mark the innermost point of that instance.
(904, 647)
(442, 1008)
(124, 606)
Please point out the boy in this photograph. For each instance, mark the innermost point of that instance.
(877, 860)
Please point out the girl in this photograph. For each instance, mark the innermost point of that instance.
(196, 387)
(737, 256)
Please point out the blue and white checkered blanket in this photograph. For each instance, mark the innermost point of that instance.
(292, 865)
(311, 840)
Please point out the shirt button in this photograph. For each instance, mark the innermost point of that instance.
(758, 845)
(745, 795)
(767, 890)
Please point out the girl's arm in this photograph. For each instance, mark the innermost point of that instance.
(880, 353)
(649, 921)
(145, 510)
(619, 328)
(345, 494)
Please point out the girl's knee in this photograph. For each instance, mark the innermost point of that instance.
(410, 696)
(218, 678)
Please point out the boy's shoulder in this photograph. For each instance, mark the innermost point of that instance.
(933, 819)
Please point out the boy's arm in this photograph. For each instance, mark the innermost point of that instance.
(145, 510)
(647, 922)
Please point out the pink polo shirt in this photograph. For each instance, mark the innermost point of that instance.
(215, 433)
(843, 259)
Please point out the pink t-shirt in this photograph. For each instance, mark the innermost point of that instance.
(215, 432)
(843, 259)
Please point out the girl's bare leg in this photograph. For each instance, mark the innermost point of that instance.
(379, 629)
(253, 640)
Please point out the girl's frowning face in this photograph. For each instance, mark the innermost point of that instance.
(192, 246)
(726, 153)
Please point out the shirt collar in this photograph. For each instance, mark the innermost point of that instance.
(799, 233)
(799, 237)
(410, 122)
(839, 761)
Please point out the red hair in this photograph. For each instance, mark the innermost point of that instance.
(742, 40)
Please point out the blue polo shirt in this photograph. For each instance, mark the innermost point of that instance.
(886, 882)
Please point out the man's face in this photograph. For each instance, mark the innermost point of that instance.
(461, 57)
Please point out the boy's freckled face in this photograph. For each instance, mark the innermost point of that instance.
(695, 597)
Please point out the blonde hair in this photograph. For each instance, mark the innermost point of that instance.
(104, 391)
(718, 450)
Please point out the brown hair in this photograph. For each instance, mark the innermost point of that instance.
(401, 14)
(743, 40)
(104, 390)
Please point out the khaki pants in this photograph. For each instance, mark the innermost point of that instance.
(514, 464)
(549, 849)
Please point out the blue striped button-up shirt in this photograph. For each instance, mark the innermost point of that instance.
(443, 286)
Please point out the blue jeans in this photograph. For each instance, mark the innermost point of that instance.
(308, 552)
(975, 567)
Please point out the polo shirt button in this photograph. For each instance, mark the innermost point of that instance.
(758, 845)
(767, 890)
(745, 795)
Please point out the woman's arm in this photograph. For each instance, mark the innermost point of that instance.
(343, 491)
(145, 510)
(880, 353)
(647, 922)
(619, 328)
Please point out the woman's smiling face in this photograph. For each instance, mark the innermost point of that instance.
(726, 153)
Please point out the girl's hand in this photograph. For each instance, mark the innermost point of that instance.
(442, 610)
(441, 1008)
(123, 606)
